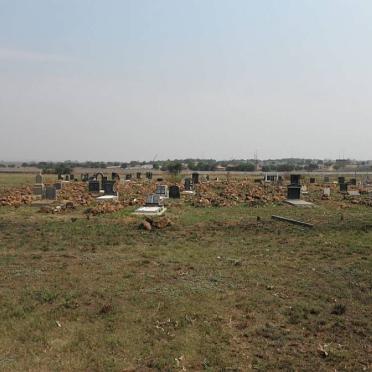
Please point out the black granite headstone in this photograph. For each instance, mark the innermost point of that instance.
(343, 187)
(294, 192)
(93, 186)
(195, 178)
(295, 179)
(174, 192)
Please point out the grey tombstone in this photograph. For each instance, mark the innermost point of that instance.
(153, 200)
(174, 192)
(162, 190)
(188, 184)
(39, 179)
(38, 189)
(93, 186)
(139, 175)
(312, 180)
(109, 187)
(51, 193)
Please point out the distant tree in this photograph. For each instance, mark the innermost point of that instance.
(311, 167)
(174, 167)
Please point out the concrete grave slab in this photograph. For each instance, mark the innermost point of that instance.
(299, 203)
(151, 211)
(107, 198)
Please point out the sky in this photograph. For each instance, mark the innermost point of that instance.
(120, 80)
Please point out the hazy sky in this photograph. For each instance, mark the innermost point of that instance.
(122, 80)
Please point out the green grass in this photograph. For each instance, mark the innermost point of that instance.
(216, 291)
(20, 179)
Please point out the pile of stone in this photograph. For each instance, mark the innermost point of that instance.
(16, 197)
(155, 223)
(236, 192)
(75, 192)
(103, 208)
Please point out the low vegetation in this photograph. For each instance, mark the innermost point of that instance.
(222, 289)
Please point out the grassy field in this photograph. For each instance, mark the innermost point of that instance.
(219, 290)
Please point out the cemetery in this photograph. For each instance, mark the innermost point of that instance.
(278, 265)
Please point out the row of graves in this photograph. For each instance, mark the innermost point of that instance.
(156, 203)
(105, 190)
(42, 191)
(349, 188)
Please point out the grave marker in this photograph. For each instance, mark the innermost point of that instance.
(174, 192)
(39, 178)
(195, 178)
(50, 193)
(93, 186)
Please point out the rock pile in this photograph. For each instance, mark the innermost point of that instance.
(16, 197)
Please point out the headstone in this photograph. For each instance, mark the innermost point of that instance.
(138, 175)
(327, 192)
(93, 186)
(67, 177)
(72, 177)
(128, 177)
(109, 187)
(115, 176)
(195, 178)
(188, 184)
(343, 187)
(153, 200)
(312, 180)
(50, 193)
(353, 182)
(326, 179)
(38, 189)
(60, 176)
(103, 181)
(85, 177)
(304, 190)
(294, 192)
(341, 180)
(174, 192)
(295, 179)
(39, 178)
(162, 190)
(149, 175)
